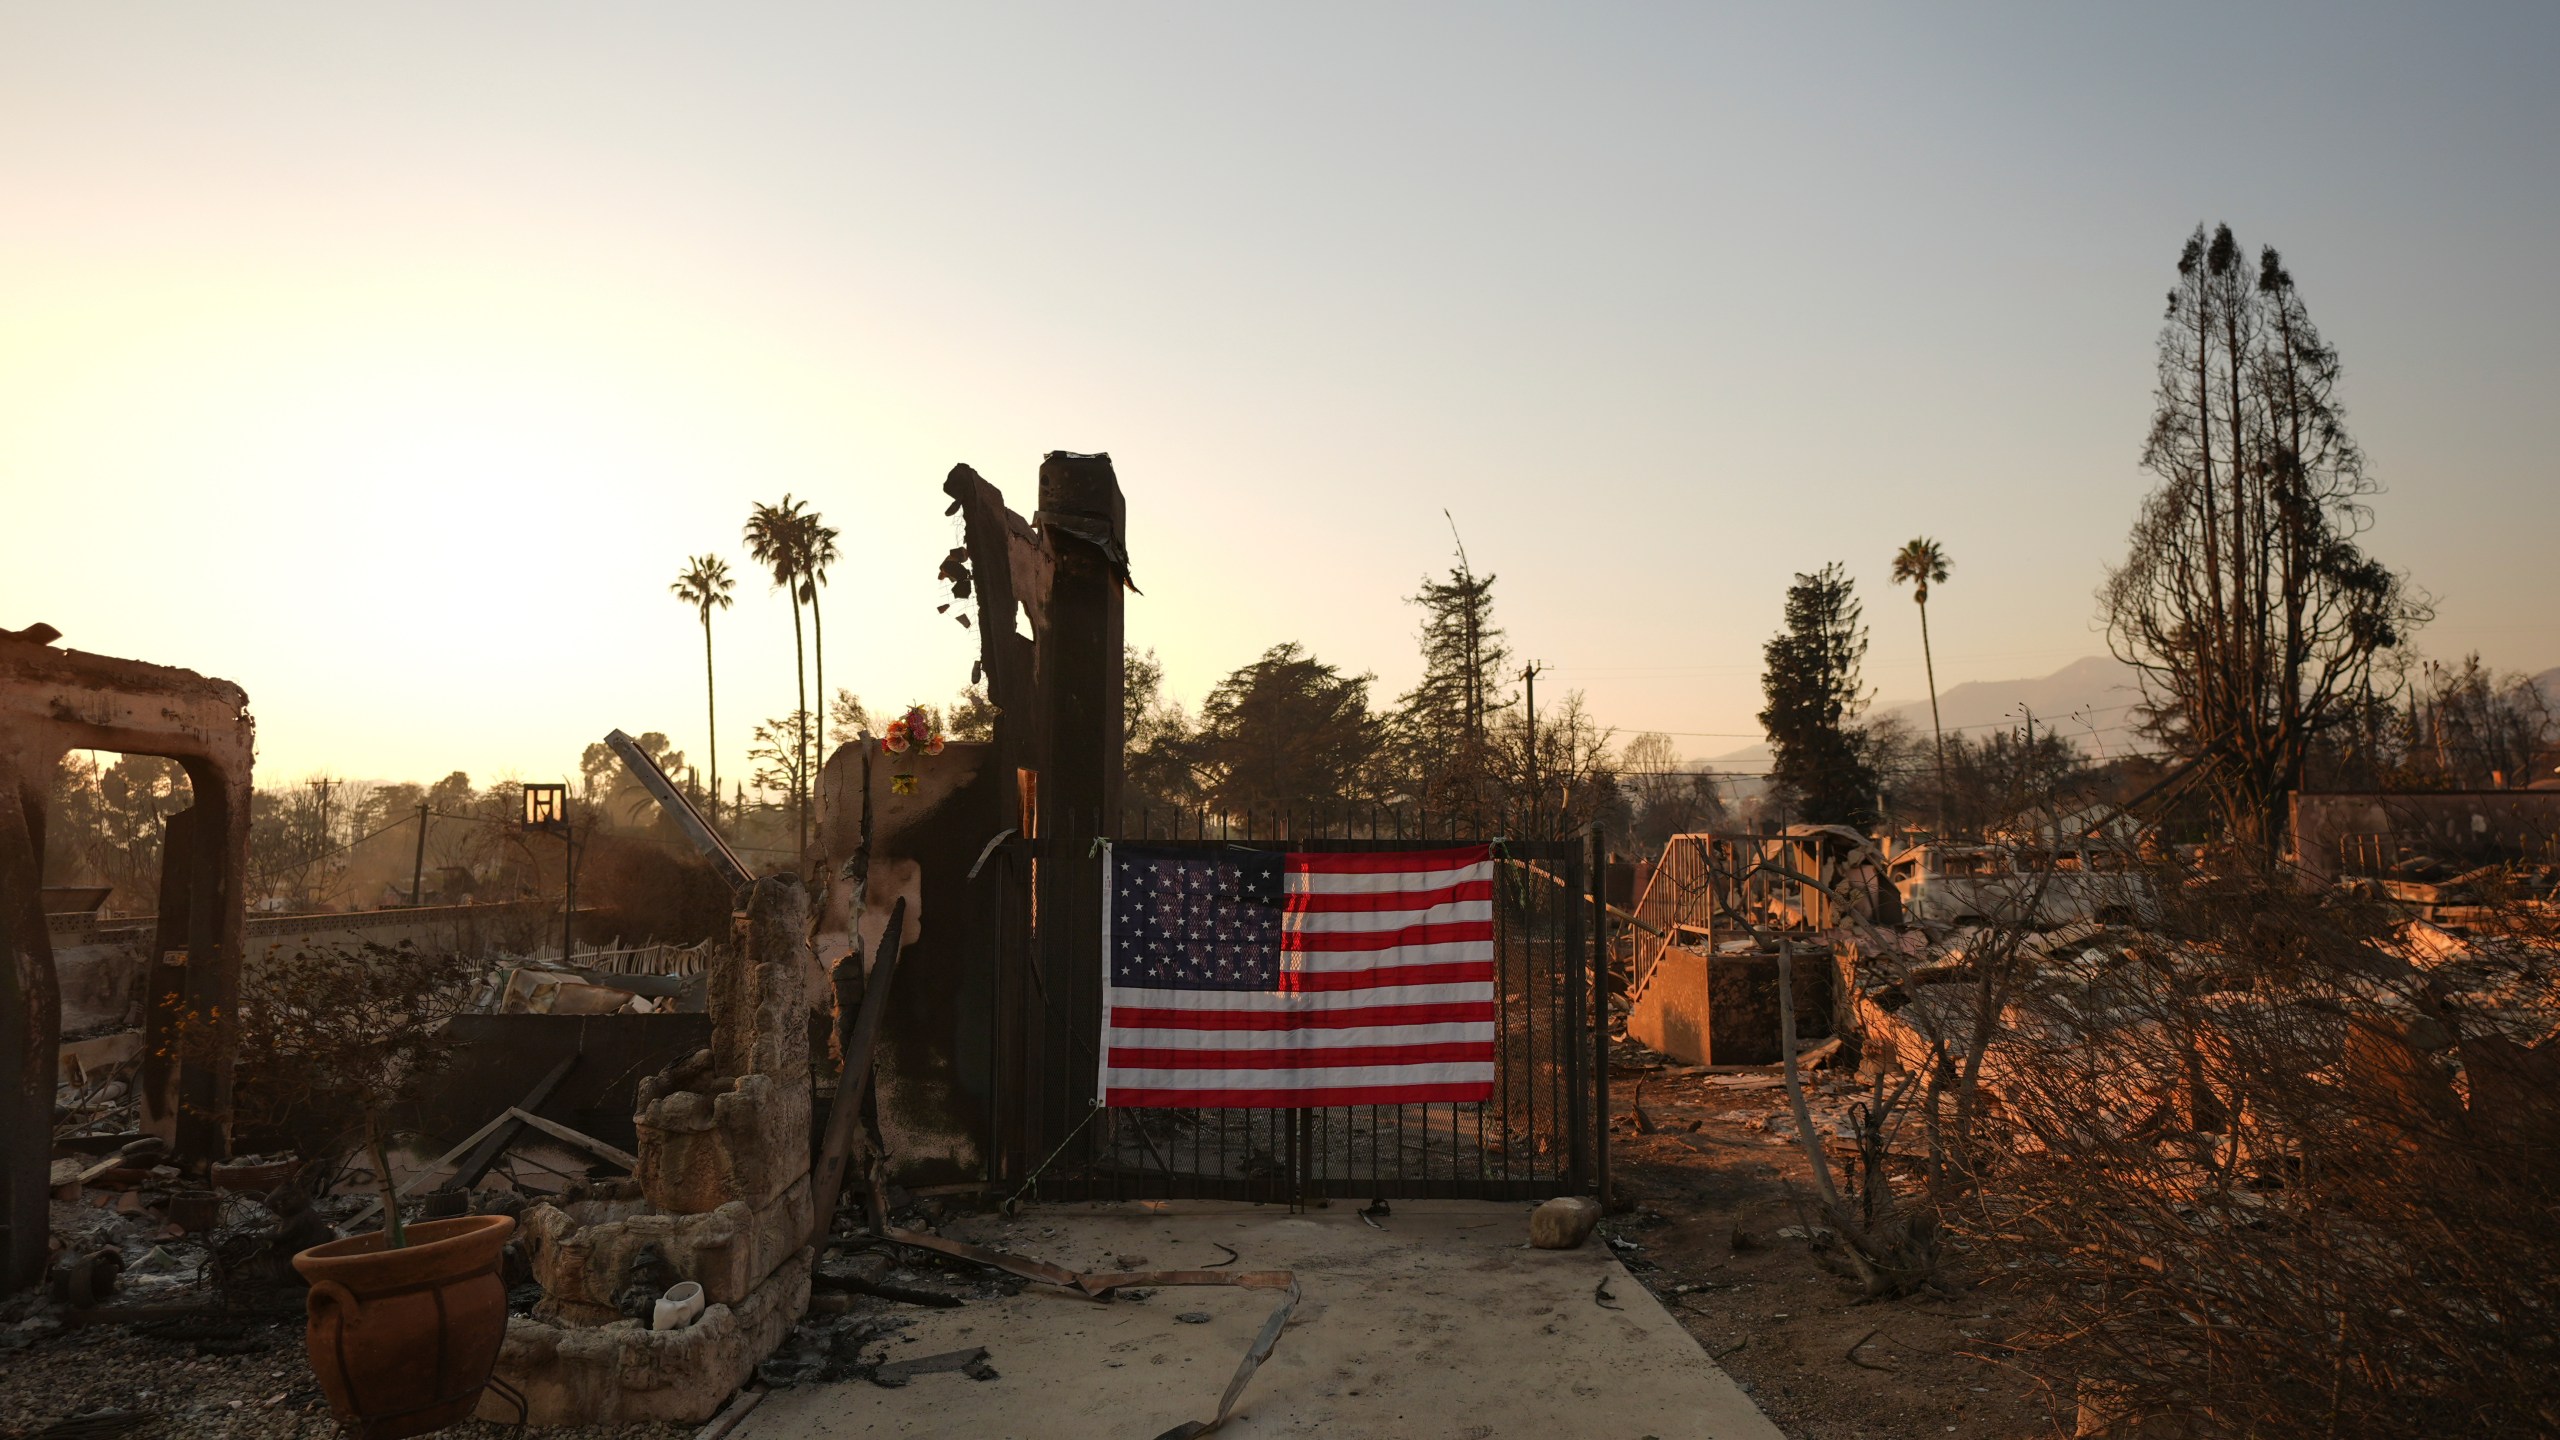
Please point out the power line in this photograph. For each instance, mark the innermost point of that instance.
(1709, 772)
(1980, 725)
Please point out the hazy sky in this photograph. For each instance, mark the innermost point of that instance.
(390, 361)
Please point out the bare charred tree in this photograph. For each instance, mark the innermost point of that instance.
(1556, 777)
(1888, 1247)
(2468, 728)
(1667, 799)
(2245, 601)
(298, 836)
(781, 755)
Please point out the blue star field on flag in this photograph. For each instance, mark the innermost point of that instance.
(1184, 921)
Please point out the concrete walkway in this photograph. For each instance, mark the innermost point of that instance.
(1443, 1325)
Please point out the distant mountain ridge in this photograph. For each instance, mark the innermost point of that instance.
(2090, 700)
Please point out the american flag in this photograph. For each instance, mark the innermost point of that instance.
(1264, 979)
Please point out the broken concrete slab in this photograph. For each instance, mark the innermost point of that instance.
(1440, 1321)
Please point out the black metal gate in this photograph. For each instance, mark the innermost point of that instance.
(1543, 1132)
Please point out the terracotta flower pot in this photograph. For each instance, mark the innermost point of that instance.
(403, 1340)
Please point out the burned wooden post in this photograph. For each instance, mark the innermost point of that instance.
(1079, 678)
(1078, 668)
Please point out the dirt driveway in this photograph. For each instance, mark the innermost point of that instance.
(1720, 1200)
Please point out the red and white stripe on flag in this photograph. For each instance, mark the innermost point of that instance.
(1384, 996)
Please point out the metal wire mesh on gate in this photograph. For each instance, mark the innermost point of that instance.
(1537, 1136)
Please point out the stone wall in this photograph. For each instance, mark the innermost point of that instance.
(1710, 1009)
(723, 1184)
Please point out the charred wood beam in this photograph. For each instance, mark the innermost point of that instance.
(856, 1041)
(680, 810)
(30, 1033)
(993, 535)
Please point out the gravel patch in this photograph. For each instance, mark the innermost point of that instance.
(189, 1389)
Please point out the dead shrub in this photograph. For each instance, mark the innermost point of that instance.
(332, 1043)
(2265, 1171)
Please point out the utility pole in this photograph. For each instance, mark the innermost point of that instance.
(2027, 760)
(418, 867)
(569, 896)
(1529, 676)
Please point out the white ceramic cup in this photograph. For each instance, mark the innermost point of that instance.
(677, 1307)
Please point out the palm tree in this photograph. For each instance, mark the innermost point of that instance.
(1920, 563)
(817, 552)
(705, 585)
(773, 535)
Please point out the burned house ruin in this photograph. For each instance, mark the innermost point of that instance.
(53, 701)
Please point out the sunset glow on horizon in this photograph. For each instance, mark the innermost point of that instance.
(447, 336)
